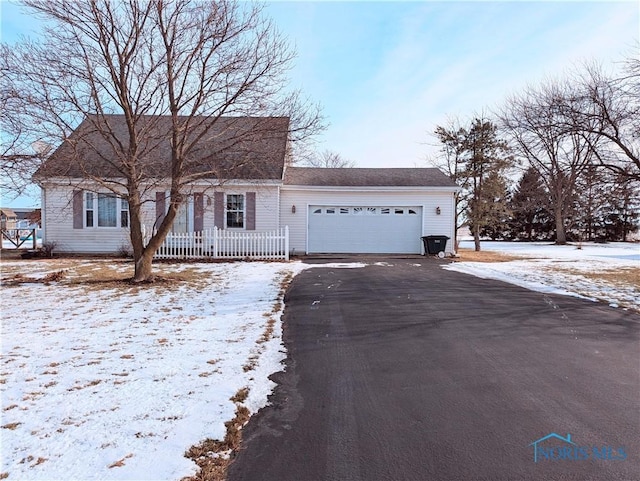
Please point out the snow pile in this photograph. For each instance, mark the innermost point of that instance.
(112, 381)
(598, 272)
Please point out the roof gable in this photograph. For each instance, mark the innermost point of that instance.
(226, 148)
(8, 213)
(367, 177)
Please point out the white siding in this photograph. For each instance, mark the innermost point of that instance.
(266, 205)
(58, 227)
(428, 199)
(58, 218)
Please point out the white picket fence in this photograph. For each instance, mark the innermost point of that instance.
(226, 244)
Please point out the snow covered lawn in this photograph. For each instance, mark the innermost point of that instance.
(104, 380)
(601, 272)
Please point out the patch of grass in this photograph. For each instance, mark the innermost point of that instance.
(251, 363)
(214, 456)
(241, 395)
(11, 426)
(621, 276)
(120, 462)
(470, 255)
(18, 279)
(268, 331)
(90, 384)
(627, 276)
(97, 274)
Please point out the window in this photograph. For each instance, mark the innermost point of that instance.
(385, 210)
(344, 210)
(235, 210)
(88, 215)
(331, 210)
(107, 213)
(412, 212)
(124, 213)
(181, 222)
(317, 211)
(101, 210)
(358, 210)
(398, 211)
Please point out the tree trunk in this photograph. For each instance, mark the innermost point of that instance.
(143, 267)
(561, 236)
(476, 237)
(136, 234)
(143, 262)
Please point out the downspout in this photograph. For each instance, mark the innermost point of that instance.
(43, 215)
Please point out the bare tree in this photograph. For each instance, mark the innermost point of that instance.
(328, 159)
(20, 151)
(177, 71)
(607, 110)
(536, 122)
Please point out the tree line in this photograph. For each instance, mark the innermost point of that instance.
(558, 161)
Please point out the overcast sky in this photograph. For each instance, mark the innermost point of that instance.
(386, 73)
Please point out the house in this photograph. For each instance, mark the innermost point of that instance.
(245, 186)
(27, 218)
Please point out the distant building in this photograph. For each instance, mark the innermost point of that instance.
(8, 219)
(28, 218)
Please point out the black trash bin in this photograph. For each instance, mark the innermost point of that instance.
(434, 244)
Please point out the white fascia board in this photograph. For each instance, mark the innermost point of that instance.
(198, 183)
(318, 188)
(215, 183)
(78, 181)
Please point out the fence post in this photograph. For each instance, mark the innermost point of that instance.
(286, 242)
(215, 242)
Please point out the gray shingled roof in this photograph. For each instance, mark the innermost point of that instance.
(232, 147)
(362, 177)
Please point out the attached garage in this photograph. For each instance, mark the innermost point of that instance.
(368, 211)
(365, 229)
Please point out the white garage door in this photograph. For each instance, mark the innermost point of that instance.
(365, 229)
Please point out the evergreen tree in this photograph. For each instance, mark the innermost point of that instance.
(476, 158)
(590, 204)
(624, 207)
(495, 207)
(486, 155)
(531, 216)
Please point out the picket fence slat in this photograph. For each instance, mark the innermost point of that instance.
(224, 244)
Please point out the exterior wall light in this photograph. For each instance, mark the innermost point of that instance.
(293, 209)
(438, 211)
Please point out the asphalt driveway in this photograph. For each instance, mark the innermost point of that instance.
(410, 372)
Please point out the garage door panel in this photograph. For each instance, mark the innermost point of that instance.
(364, 229)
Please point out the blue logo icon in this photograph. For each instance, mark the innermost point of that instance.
(554, 447)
